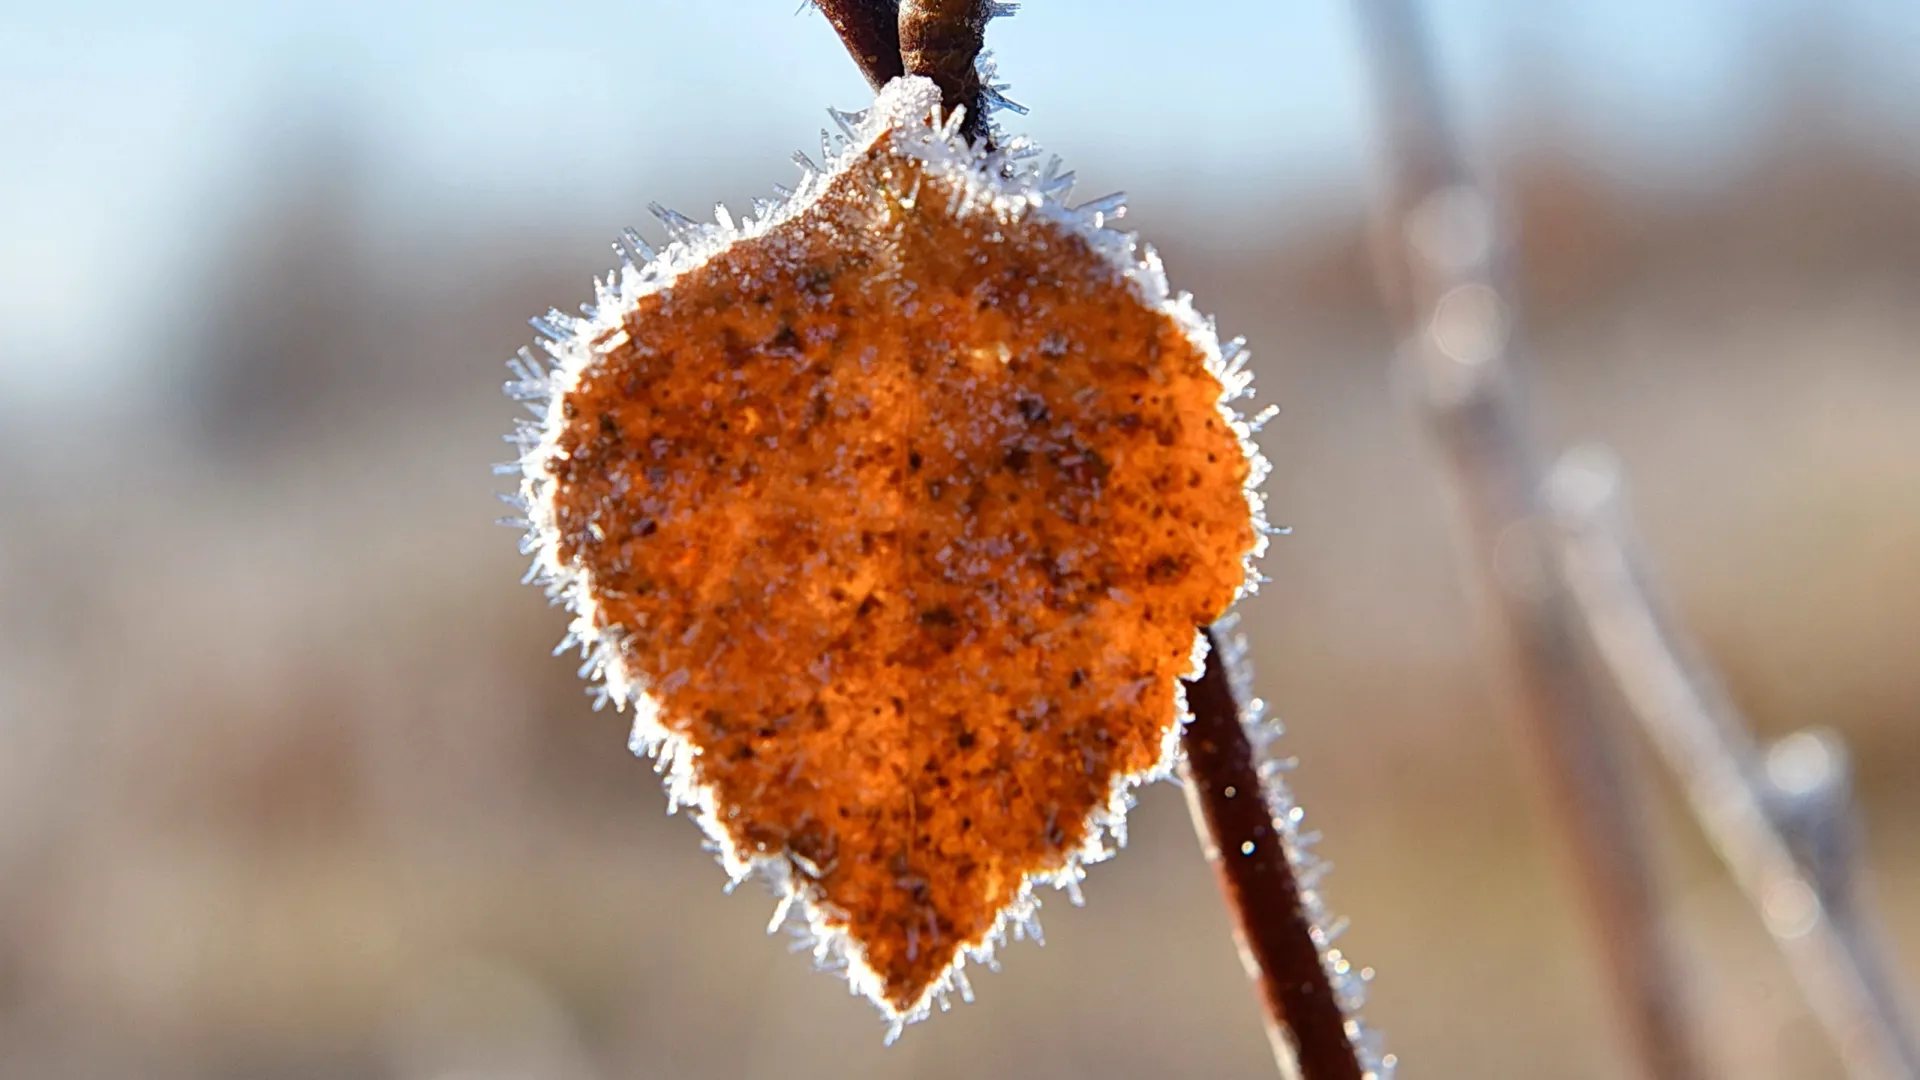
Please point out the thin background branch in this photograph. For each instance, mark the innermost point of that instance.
(1438, 252)
(1559, 554)
(1780, 822)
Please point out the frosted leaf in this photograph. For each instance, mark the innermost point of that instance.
(892, 511)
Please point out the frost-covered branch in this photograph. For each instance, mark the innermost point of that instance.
(1559, 554)
(1248, 826)
(1782, 820)
(1439, 252)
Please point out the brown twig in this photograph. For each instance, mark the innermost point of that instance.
(938, 39)
(1439, 250)
(1274, 921)
(870, 29)
(942, 39)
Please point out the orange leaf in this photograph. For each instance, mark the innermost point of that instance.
(894, 512)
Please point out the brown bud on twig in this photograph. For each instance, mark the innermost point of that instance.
(942, 39)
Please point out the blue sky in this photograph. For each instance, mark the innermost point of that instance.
(127, 129)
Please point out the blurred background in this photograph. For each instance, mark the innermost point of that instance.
(291, 788)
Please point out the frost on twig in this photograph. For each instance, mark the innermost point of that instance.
(1252, 830)
(945, 40)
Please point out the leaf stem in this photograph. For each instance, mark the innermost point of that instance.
(942, 39)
